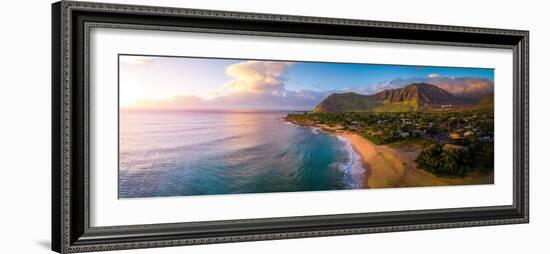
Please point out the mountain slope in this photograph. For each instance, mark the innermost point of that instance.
(414, 97)
(347, 102)
(422, 93)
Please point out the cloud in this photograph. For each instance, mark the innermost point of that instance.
(279, 98)
(468, 87)
(245, 100)
(464, 86)
(257, 76)
(255, 85)
(136, 59)
(375, 88)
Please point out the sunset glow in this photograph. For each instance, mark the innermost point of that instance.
(211, 126)
(203, 83)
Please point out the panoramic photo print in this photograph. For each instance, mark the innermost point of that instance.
(208, 126)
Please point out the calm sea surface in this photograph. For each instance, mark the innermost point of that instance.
(178, 153)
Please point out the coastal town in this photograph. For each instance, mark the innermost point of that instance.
(457, 127)
(452, 142)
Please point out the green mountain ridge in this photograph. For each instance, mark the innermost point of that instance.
(347, 102)
(413, 97)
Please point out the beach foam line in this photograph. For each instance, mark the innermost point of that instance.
(353, 170)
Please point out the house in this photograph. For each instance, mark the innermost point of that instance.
(403, 134)
(339, 127)
(454, 135)
(468, 133)
(485, 139)
(353, 127)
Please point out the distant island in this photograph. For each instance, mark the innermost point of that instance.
(418, 135)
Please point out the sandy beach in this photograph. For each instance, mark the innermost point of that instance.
(387, 167)
(390, 167)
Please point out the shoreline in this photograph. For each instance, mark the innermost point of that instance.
(387, 167)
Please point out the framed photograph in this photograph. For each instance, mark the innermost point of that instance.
(181, 126)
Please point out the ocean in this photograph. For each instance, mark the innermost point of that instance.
(180, 153)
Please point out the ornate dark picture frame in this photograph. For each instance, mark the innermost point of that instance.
(71, 22)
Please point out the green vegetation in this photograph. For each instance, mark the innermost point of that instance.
(404, 106)
(414, 97)
(454, 143)
(347, 102)
(453, 160)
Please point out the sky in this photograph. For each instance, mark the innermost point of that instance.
(212, 83)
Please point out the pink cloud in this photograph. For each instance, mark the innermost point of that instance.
(469, 87)
(464, 86)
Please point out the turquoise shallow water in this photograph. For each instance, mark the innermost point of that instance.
(180, 153)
